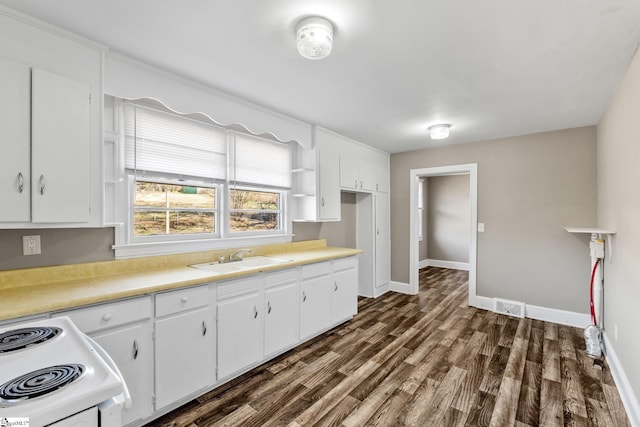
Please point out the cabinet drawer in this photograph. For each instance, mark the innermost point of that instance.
(93, 319)
(344, 263)
(237, 287)
(314, 270)
(280, 277)
(181, 300)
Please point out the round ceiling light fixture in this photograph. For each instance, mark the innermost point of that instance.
(314, 37)
(440, 131)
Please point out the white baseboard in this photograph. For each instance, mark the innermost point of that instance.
(400, 287)
(563, 317)
(454, 265)
(629, 399)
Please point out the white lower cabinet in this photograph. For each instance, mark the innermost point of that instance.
(124, 330)
(240, 324)
(328, 294)
(345, 289)
(173, 354)
(315, 305)
(184, 344)
(281, 311)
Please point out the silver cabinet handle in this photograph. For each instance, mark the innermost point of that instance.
(378, 231)
(335, 286)
(204, 328)
(356, 184)
(135, 349)
(43, 184)
(268, 307)
(20, 182)
(322, 201)
(304, 296)
(255, 312)
(376, 187)
(184, 299)
(106, 317)
(360, 184)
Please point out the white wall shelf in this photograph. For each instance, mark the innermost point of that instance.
(589, 230)
(600, 232)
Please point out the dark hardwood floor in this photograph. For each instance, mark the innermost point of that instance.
(425, 360)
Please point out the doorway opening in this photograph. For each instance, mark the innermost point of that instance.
(414, 221)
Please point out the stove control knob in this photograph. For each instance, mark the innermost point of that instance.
(106, 317)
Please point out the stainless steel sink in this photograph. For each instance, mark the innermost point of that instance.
(250, 263)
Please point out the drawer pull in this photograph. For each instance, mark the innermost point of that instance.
(268, 307)
(335, 286)
(106, 317)
(204, 328)
(184, 299)
(135, 349)
(255, 312)
(304, 296)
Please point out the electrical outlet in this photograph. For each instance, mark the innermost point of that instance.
(615, 332)
(481, 227)
(31, 245)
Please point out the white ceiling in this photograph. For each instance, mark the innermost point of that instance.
(491, 68)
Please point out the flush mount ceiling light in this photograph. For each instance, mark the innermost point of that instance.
(314, 37)
(440, 131)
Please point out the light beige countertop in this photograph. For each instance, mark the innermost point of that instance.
(41, 290)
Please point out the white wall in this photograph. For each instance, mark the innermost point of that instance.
(448, 218)
(619, 210)
(529, 188)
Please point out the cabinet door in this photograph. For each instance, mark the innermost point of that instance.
(185, 357)
(315, 305)
(60, 138)
(131, 348)
(240, 333)
(349, 174)
(367, 169)
(382, 240)
(281, 318)
(15, 172)
(382, 172)
(328, 184)
(345, 294)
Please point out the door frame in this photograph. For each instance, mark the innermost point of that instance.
(470, 169)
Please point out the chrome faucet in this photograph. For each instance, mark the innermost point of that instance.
(237, 256)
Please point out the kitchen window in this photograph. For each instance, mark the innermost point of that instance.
(165, 209)
(197, 185)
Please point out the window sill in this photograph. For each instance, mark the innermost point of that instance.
(138, 250)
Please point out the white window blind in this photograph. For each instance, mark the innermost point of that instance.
(260, 162)
(158, 141)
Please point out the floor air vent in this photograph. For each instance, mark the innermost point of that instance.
(510, 308)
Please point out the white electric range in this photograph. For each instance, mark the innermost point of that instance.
(53, 374)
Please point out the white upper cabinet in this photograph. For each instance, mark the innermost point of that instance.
(316, 185)
(15, 110)
(363, 169)
(382, 172)
(59, 149)
(51, 165)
